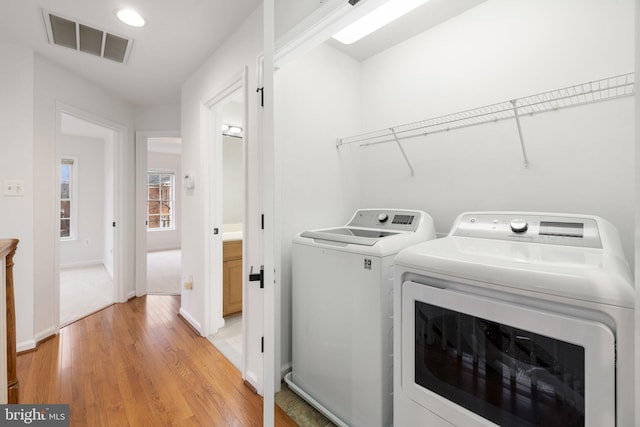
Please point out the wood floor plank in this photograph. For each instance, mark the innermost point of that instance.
(138, 364)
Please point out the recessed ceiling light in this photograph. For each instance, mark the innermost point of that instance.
(376, 19)
(130, 17)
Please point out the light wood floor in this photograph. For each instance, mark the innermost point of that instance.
(138, 364)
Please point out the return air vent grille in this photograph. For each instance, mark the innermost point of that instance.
(84, 38)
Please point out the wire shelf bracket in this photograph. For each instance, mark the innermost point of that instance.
(522, 146)
(581, 94)
(406, 159)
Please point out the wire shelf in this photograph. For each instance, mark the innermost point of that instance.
(581, 94)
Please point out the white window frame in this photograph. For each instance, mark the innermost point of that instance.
(173, 201)
(73, 197)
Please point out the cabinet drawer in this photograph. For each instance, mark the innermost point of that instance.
(232, 250)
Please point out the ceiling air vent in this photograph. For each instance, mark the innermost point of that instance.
(84, 38)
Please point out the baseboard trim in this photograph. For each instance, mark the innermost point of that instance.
(78, 264)
(44, 335)
(37, 344)
(250, 386)
(251, 380)
(284, 370)
(190, 321)
(161, 249)
(24, 346)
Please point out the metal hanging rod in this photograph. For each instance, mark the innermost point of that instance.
(581, 94)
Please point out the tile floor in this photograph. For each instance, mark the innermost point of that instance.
(300, 411)
(229, 339)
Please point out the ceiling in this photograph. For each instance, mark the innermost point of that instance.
(178, 37)
(421, 19)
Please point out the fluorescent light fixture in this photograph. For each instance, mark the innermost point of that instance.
(130, 17)
(235, 129)
(376, 19)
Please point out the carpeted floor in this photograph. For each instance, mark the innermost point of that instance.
(84, 290)
(163, 272)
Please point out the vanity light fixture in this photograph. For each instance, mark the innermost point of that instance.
(230, 130)
(130, 17)
(376, 19)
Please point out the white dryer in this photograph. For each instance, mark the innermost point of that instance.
(515, 319)
(342, 306)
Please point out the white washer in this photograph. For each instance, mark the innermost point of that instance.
(342, 306)
(515, 319)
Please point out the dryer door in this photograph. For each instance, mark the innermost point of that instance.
(477, 361)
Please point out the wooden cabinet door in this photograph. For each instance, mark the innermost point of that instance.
(232, 298)
(232, 278)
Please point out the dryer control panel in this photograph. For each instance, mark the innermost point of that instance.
(391, 219)
(581, 231)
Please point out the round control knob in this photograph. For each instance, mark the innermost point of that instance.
(383, 217)
(519, 225)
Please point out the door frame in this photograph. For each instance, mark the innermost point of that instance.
(212, 140)
(271, 235)
(141, 142)
(120, 195)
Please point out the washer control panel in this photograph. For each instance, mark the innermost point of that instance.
(535, 228)
(401, 220)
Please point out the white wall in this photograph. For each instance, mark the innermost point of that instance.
(289, 13)
(239, 51)
(88, 245)
(495, 52)
(317, 98)
(167, 239)
(54, 85)
(233, 177)
(17, 162)
(157, 117)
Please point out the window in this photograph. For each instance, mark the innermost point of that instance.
(67, 198)
(160, 200)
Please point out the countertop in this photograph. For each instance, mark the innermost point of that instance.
(231, 232)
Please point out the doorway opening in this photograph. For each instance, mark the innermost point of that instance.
(229, 338)
(86, 199)
(163, 215)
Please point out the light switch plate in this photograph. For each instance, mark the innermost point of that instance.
(13, 188)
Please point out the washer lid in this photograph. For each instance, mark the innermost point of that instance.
(355, 236)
